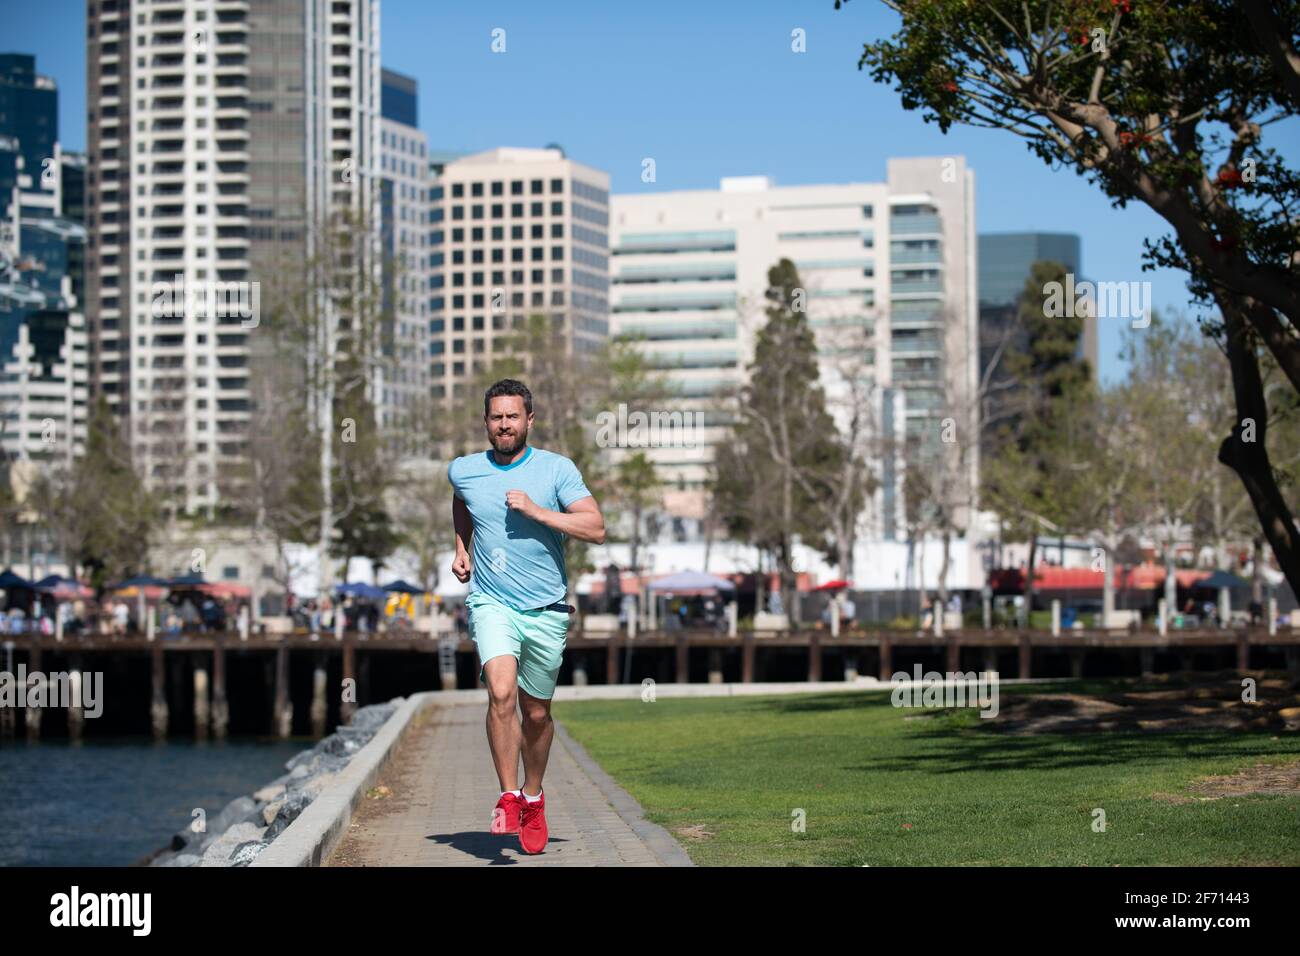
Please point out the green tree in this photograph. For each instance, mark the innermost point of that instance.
(362, 475)
(638, 489)
(785, 452)
(1025, 476)
(1160, 103)
(101, 506)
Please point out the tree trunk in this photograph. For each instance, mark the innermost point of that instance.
(1246, 453)
(786, 579)
(1029, 574)
(636, 539)
(708, 540)
(943, 568)
(1257, 570)
(1107, 584)
(1171, 580)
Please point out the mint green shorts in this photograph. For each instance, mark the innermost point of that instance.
(535, 638)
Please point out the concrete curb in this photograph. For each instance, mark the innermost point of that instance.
(660, 842)
(309, 840)
(863, 685)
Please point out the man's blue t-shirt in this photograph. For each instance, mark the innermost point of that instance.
(517, 560)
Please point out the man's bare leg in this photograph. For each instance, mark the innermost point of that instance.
(503, 719)
(538, 732)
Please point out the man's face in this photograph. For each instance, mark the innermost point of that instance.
(507, 424)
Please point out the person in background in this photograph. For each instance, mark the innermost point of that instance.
(210, 612)
(188, 614)
(774, 602)
(848, 611)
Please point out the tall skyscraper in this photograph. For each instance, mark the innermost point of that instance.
(222, 134)
(43, 388)
(405, 201)
(1006, 259)
(515, 232)
(888, 271)
(29, 113)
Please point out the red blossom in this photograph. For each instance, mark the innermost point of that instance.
(1128, 139)
(1229, 178)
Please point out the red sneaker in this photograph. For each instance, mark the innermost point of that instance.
(532, 824)
(505, 816)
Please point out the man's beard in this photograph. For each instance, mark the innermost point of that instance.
(510, 445)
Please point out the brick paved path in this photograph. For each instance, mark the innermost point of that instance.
(443, 789)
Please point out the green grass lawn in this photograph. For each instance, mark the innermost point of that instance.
(877, 789)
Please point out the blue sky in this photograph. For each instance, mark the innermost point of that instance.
(707, 89)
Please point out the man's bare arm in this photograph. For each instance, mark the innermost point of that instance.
(464, 525)
(581, 520)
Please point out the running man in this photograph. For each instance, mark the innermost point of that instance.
(513, 505)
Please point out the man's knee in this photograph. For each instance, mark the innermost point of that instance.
(499, 676)
(502, 696)
(536, 712)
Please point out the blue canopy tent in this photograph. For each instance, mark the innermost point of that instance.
(402, 587)
(366, 592)
(11, 583)
(184, 581)
(10, 580)
(1221, 579)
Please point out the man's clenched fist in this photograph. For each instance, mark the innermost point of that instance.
(519, 501)
(460, 567)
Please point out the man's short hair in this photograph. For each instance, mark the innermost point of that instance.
(508, 386)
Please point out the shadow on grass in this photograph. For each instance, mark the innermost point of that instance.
(960, 742)
(969, 751)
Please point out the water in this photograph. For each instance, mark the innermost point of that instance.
(109, 802)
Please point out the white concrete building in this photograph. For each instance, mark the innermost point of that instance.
(889, 272)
